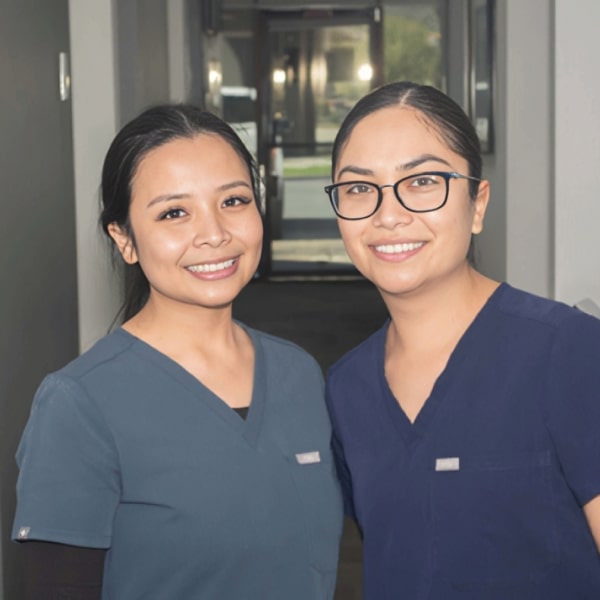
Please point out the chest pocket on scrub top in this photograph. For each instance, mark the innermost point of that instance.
(315, 478)
(493, 520)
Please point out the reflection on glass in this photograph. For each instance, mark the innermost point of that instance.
(238, 88)
(365, 72)
(327, 69)
(346, 56)
(279, 76)
(412, 43)
(481, 18)
(317, 71)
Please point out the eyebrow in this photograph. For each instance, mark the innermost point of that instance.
(221, 188)
(412, 164)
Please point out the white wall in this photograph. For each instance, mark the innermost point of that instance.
(541, 229)
(517, 242)
(94, 126)
(577, 149)
(529, 196)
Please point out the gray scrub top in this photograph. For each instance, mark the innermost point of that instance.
(126, 450)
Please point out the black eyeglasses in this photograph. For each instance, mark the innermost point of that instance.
(419, 193)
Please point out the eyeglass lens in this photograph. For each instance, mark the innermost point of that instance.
(421, 192)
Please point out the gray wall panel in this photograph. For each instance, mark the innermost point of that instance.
(38, 308)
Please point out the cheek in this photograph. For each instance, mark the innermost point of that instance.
(455, 234)
(350, 231)
(252, 230)
(160, 246)
(456, 223)
(468, 222)
(352, 234)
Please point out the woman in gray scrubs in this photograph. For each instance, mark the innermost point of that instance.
(185, 455)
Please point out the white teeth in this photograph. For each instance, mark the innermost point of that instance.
(398, 248)
(212, 267)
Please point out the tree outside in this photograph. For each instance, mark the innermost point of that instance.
(412, 50)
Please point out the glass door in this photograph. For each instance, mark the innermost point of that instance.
(314, 66)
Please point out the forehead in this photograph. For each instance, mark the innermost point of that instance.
(188, 166)
(396, 132)
(203, 149)
(205, 155)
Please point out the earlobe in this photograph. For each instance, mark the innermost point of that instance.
(480, 206)
(123, 242)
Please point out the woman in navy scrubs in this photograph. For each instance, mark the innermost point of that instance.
(185, 456)
(467, 429)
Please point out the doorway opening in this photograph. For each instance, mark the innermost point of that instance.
(289, 77)
(308, 71)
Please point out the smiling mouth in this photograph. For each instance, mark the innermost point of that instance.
(398, 248)
(212, 267)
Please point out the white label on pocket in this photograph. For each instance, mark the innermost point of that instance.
(447, 464)
(308, 458)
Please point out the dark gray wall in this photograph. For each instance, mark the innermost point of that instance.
(38, 308)
(142, 55)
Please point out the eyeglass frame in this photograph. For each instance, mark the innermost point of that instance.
(446, 175)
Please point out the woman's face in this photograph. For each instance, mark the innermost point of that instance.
(197, 231)
(398, 250)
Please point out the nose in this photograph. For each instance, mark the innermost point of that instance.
(210, 229)
(391, 212)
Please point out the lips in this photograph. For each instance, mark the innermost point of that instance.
(212, 267)
(398, 248)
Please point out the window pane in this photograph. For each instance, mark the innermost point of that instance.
(412, 43)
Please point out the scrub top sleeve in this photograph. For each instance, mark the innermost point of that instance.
(574, 403)
(69, 480)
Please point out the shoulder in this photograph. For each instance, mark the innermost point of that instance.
(101, 355)
(279, 350)
(68, 401)
(362, 356)
(527, 327)
(556, 317)
(90, 370)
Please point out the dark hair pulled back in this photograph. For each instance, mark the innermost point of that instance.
(438, 109)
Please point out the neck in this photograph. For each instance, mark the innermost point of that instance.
(180, 326)
(439, 314)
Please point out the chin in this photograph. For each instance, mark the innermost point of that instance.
(396, 287)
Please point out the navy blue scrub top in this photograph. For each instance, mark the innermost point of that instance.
(481, 497)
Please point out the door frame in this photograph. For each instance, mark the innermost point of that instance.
(268, 22)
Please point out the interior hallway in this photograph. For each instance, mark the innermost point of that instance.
(326, 318)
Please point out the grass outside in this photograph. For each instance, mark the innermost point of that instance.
(306, 171)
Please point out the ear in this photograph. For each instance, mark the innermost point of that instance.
(480, 206)
(123, 242)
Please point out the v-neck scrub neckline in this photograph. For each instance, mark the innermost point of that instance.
(414, 431)
(250, 425)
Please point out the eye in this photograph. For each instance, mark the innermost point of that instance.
(172, 213)
(424, 180)
(358, 188)
(235, 201)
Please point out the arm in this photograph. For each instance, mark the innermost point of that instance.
(55, 571)
(574, 415)
(592, 514)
